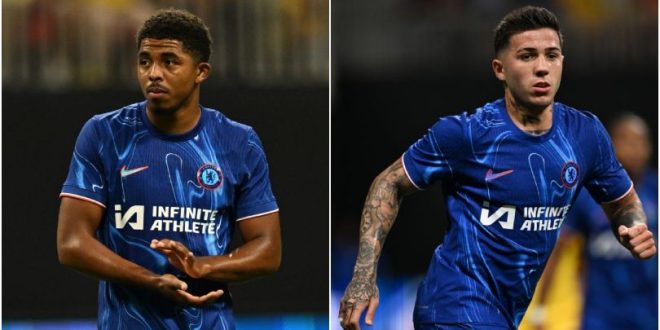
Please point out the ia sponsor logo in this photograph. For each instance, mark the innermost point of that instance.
(122, 219)
(536, 218)
(488, 219)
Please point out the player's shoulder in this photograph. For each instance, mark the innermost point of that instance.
(580, 124)
(126, 113)
(491, 114)
(217, 118)
(227, 127)
(574, 115)
(100, 124)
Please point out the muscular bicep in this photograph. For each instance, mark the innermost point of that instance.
(77, 219)
(267, 226)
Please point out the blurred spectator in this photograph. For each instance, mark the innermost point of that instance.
(58, 44)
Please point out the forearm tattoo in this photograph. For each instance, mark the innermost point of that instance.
(378, 215)
(628, 215)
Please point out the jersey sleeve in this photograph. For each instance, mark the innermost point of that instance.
(255, 196)
(430, 158)
(85, 179)
(608, 181)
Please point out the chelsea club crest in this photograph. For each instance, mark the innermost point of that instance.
(570, 174)
(209, 176)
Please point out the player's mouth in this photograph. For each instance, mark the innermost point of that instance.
(156, 90)
(541, 87)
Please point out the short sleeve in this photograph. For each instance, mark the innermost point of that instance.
(255, 196)
(430, 158)
(85, 179)
(608, 181)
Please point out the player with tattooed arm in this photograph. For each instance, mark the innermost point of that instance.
(510, 171)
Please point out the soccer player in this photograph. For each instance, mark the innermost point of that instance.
(510, 171)
(156, 188)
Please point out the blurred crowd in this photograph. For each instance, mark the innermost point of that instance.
(87, 44)
(405, 37)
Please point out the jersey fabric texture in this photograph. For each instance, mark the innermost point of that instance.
(190, 188)
(507, 194)
(621, 292)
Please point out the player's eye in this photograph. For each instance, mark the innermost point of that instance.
(553, 56)
(527, 56)
(170, 61)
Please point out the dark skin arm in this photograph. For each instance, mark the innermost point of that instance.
(78, 248)
(628, 222)
(259, 255)
(378, 215)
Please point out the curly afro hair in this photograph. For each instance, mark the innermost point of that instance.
(179, 25)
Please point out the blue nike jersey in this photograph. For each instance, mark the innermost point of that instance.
(621, 292)
(191, 188)
(507, 194)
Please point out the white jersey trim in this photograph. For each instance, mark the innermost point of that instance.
(622, 196)
(258, 215)
(82, 198)
(403, 163)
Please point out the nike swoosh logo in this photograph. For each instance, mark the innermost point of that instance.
(124, 172)
(490, 176)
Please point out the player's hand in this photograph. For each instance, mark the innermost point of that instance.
(638, 239)
(175, 289)
(359, 295)
(180, 257)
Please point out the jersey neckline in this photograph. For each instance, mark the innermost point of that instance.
(501, 106)
(171, 137)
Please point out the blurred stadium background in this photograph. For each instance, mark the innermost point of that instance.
(63, 61)
(398, 65)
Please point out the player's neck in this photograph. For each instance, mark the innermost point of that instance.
(178, 121)
(530, 120)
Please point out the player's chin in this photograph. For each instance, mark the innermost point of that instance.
(541, 101)
(160, 108)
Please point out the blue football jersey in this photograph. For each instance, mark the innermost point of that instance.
(507, 193)
(621, 292)
(191, 188)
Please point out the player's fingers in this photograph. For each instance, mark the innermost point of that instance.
(175, 260)
(345, 311)
(623, 231)
(636, 230)
(343, 319)
(179, 247)
(188, 298)
(648, 253)
(371, 311)
(173, 282)
(349, 307)
(645, 245)
(356, 314)
(641, 237)
(211, 297)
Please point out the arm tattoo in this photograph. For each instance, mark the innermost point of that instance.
(628, 215)
(378, 215)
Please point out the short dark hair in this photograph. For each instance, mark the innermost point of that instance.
(524, 19)
(179, 25)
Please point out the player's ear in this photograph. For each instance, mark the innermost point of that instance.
(498, 69)
(203, 71)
